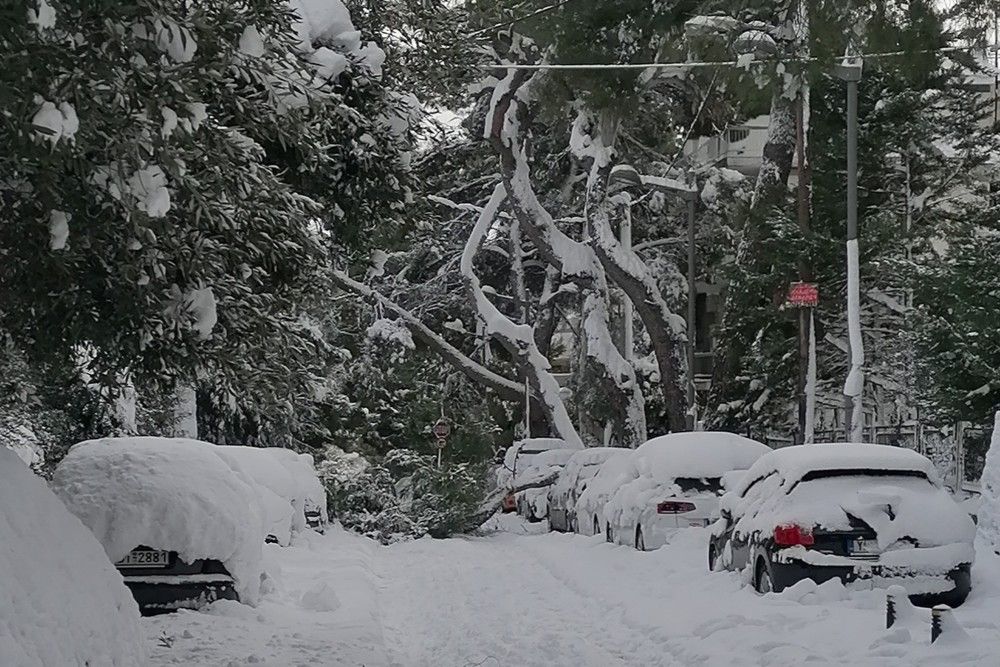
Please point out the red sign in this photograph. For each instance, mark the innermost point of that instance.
(803, 295)
(441, 429)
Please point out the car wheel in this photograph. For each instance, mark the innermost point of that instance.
(712, 557)
(597, 526)
(570, 524)
(762, 577)
(640, 541)
(608, 536)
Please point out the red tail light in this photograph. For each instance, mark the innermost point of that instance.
(792, 535)
(674, 507)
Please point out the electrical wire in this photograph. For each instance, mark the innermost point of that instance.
(720, 63)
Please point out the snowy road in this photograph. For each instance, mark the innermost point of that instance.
(522, 600)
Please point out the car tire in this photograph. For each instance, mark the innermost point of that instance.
(712, 557)
(570, 524)
(608, 535)
(762, 581)
(597, 526)
(640, 541)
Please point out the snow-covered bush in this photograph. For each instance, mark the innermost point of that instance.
(404, 495)
(166, 493)
(61, 600)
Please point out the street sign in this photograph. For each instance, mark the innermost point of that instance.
(803, 295)
(441, 429)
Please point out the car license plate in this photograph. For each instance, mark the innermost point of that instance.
(863, 546)
(144, 558)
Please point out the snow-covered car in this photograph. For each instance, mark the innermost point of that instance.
(518, 458)
(533, 504)
(675, 481)
(288, 488)
(869, 515)
(572, 482)
(588, 514)
(182, 527)
(61, 600)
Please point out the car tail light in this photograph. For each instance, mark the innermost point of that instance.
(674, 507)
(792, 535)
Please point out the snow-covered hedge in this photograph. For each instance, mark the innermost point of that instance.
(166, 493)
(61, 600)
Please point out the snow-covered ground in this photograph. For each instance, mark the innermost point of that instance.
(514, 596)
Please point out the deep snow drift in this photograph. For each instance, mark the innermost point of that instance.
(62, 603)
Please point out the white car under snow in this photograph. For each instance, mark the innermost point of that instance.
(579, 470)
(675, 481)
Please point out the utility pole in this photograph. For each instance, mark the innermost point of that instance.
(692, 312)
(850, 71)
(625, 234)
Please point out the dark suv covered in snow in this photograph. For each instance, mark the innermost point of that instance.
(869, 515)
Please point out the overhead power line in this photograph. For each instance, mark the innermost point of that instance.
(721, 63)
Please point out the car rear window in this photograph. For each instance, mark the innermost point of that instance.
(861, 472)
(702, 485)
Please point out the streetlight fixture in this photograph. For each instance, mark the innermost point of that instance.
(849, 70)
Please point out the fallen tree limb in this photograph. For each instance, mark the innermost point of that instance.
(504, 387)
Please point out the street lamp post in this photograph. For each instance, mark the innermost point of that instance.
(850, 71)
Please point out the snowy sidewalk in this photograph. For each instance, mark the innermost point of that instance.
(521, 599)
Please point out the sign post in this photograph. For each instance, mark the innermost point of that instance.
(806, 295)
(441, 431)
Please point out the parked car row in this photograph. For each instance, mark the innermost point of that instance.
(869, 515)
(185, 521)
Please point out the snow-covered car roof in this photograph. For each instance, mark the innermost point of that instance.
(166, 493)
(793, 463)
(696, 455)
(580, 459)
(63, 602)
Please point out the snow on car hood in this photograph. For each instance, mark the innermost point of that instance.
(166, 493)
(582, 465)
(895, 507)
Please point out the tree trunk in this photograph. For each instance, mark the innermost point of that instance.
(627, 271)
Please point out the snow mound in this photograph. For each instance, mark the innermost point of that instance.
(166, 493)
(989, 510)
(61, 600)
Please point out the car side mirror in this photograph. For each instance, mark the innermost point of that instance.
(726, 515)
